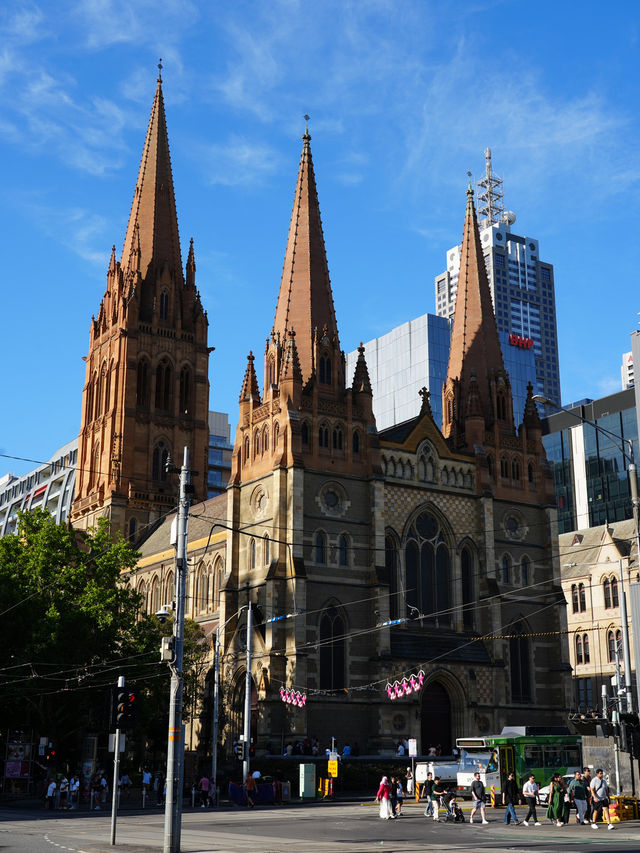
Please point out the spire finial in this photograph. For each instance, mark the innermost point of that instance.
(306, 127)
(470, 187)
(160, 70)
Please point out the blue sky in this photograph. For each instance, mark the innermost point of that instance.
(403, 99)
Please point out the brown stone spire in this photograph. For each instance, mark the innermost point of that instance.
(153, 212)
(477, 384)
(361, 381)
(250, 390)
(531, 416)
(305, 300)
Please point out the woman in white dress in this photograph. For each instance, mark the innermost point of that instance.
(382, 797)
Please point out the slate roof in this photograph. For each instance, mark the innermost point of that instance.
(583, 546)
(201, 518)
(438, 645)
(399, 432)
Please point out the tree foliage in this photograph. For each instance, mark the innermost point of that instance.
(69, 626)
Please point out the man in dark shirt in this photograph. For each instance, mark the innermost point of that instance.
(438, 791)
(393, 796)
(510, 797)
(478, 797)
(427, 791)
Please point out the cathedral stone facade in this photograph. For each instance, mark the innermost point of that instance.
(366, 556)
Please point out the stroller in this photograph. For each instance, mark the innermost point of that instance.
(454, 812)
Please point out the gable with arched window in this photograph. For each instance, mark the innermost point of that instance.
(332, 650)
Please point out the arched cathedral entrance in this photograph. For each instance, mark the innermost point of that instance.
(435, 719)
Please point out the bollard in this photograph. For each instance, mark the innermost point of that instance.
(493, 796)
(193, 797)
(144, 797)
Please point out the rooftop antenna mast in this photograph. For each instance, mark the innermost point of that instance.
(490, 198)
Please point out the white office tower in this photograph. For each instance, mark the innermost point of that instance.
(626, 371)
(522, 285)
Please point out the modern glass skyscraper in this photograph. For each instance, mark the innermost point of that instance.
(590, 471)
(522, 286)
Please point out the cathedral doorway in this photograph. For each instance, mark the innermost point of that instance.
(236, 716)
(435, 719)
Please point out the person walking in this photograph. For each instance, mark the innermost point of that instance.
(51, 794)
(510, 799)
(251, 789)
(555, 808)
(438, 792)
(427, 791)
(478, 797)
(382, 797)
(600, 799)
(393, 796)
(74, 792)
(399, 796)
(530, 793)
(578, 795)
(409, 778)
(586, 775)
(204, 791)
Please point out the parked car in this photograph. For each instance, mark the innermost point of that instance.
(543, 793)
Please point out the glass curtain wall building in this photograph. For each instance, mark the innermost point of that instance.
(590, 470)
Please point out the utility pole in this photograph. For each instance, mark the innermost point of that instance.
(214, 727)
(247, 698)
(175, 745)
(116, 773)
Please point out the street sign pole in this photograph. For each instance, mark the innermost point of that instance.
(116, 775)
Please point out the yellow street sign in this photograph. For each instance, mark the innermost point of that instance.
(333, 769)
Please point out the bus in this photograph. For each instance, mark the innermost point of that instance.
(523, 750)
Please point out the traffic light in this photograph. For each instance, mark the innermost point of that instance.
(50, 752)
(124, 712)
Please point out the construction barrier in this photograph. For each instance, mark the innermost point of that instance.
(623, 808)
(492, 794)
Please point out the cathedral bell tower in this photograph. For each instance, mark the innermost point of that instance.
(146, 393)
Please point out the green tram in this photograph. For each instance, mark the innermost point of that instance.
(523, 750)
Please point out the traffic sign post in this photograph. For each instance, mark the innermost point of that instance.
(333, 769)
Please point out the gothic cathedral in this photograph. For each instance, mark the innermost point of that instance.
(366, 557)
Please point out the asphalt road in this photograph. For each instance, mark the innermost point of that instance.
(310, 828)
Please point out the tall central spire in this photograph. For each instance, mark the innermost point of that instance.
(305, 300)
(152, 232)
(477, 384)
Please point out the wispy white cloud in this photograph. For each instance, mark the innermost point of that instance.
(105, 23)
(238, 162)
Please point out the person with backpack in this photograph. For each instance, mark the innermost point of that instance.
(600, 799)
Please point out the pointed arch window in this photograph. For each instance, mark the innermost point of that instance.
(506, 569)
(391, 566)
(265, 439)
(524, 571)
(530, 472)
(142, 385)
(218, 577)
(89, 405)
(502, 407)
(515, 469)
(304, 432)
(266, 543)
(164, 305)
(99, 391)
(606, 588)
(107, 389)
(519, 664)
(585, 649)
(466, 569)
(272, 371)
(611, 646)
(332, 651)
(94, 471)
(615, 601)
(337, 438)
(325, 370)
(164, 378)
(323, 436)
(142, 592)
(579, 657)
(582, 598)
(343, 550)
(159, 462)
(256, 444)
(356, 443)
(428, 570)
(320, 548)
(574, 598)
(276, 435)
(169, 592)
(252, 554)
(504, 467)
(185, 390)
